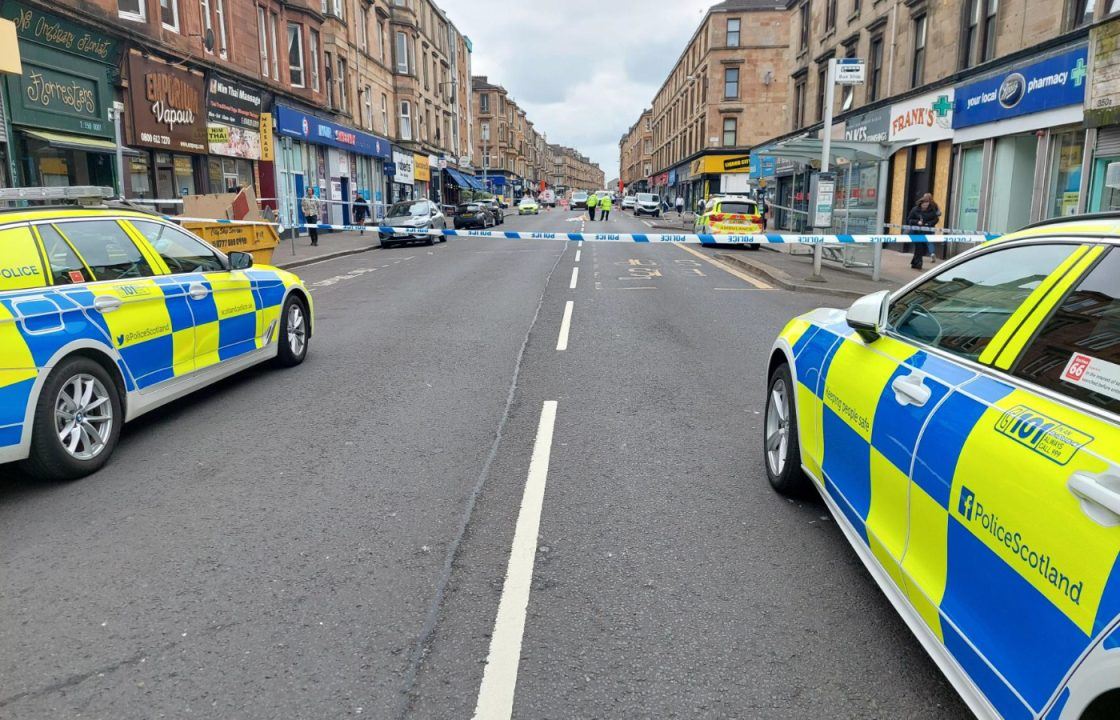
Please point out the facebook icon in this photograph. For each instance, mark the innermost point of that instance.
(968, 499)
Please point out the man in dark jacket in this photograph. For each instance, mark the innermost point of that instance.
(922, 216)
(361, 210)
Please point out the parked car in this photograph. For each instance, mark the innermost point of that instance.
(495, 209)
(647, 204)
(473, 215)
(964, 432)
(414, 218)
(115, 313)
(579, 200)
(730, 215)
(628, 202)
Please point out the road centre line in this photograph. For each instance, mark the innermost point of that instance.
(731, 271)
(565, 326)
(577, 255)
(575, 276)
(499, 679)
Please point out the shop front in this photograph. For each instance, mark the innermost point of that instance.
(1102, 115)
(404, 178)
(422, 176)
(333, 160)
(59, 106)
(715, 175)
(233, 129)
(923, 128)
(857, 181)
(1021, 143)
(169, 120)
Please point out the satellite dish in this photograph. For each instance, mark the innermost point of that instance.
(208, 40)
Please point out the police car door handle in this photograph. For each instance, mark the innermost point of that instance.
(1099, 495)
(198, 291)
(106, 303)
(911, 390)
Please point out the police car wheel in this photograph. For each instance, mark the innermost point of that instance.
(294, 333)
(780, 447)
(385, 244)
(77, 421)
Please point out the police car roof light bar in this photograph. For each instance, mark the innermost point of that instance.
(80, 194)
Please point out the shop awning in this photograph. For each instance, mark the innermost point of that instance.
(474, 182)
(808, 149)
(64, 141)
(457, 178)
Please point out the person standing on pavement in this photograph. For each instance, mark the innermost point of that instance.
(592, 201)
(605, 205)
(923, 217)
(361, 210)
(310, 208)
(679, 204)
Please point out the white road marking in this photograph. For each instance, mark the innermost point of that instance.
(641, 287)
(577, 255)
(575, 276)
(580, 244)
(499, 679)
(730, 271)
(565, 326)
(647, 223)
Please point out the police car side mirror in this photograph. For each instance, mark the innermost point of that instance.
(240, 261)
(868, 315)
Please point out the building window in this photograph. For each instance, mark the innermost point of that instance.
(855, 8)
(918, 68)
(799, 103)
(731, 84)
(329, 79)
(169, 14)
(484, 102)
(979, 32)
(363, 29)
(343, 103)
(822, 83)
(733, 32)
(402, 53)
(313, 59)
(988, 49)
(875, 69)
(367, 107)
(132, 10)
(207, 21)
(384, 113)
(381, 39)
(223, 45)
(406, 120)
(829, 15)
(484, 129)
(295, 55)
(339, 7)
(730, 132)
(803, 11)
(1083, 12)
(262, 31)
(427, 84)
(273, 32)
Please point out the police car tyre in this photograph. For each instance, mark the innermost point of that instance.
(294, 335)
(780, 448)
(385, 244)
(77, 421)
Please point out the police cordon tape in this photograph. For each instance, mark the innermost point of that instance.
(677, 238)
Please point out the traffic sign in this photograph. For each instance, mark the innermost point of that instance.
(850, 71)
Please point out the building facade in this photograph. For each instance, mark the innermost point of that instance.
(574, 171)
(635, 161)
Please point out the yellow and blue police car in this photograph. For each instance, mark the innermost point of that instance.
(106, 314)
(965, 433)
(730, 215)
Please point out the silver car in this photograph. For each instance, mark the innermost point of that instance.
(417, 216)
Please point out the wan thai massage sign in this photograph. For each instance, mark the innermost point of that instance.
(167, 106)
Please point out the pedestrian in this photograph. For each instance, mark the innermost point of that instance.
(310, 207)
(361, 211)
(923, 217)
(679, 204)
(592, 202)
(605, 205)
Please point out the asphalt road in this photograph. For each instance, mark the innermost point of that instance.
(332, 540)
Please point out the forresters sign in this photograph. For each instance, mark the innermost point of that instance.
(167, 106)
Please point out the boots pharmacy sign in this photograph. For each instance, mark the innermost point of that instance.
(1047, 84)
(167, 106)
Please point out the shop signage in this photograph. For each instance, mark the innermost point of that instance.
(404, 168)
(390, 168)
(661, 179)
(1053, 82)
(926, 118)
(720, 164)
(56, 92)
(45, 29)
(167, 106)
(422, 169)
(762, 166)
(233, 119)
(267, 152)
(309, 128)
(872, 126)
(1102, 96)
(673, 176)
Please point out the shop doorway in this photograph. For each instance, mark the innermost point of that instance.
(346, 196)
(1013, 183)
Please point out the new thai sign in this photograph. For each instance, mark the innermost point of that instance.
(233, 119)
(167, 106)
(1053, 82)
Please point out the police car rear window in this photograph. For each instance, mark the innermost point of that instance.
(106, 248)
(738, 208)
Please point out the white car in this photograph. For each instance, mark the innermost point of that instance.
(628, 202)
(647, 204)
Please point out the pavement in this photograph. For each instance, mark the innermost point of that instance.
(332, 540)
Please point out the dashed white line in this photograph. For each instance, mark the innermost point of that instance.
(580, 244)
(565, 326)
(499, 679)
(575, 276)
(577, 253)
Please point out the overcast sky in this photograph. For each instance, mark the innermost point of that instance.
(582, 69)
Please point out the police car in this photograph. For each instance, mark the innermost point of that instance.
(730, 215)
(106, 314)
(965, 433)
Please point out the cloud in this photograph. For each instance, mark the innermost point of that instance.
(583, 70)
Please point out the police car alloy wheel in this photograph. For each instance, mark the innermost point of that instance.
(295, 333)
(779, 436)
(77, 421)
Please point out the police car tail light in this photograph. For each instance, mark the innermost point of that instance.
(718, 217)
(81, 194)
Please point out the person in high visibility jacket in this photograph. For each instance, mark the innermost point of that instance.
(592, 201)
(605, 205)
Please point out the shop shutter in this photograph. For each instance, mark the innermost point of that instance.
(1108, 141)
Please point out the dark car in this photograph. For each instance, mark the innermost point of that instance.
(495, 210)
(473, 215)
